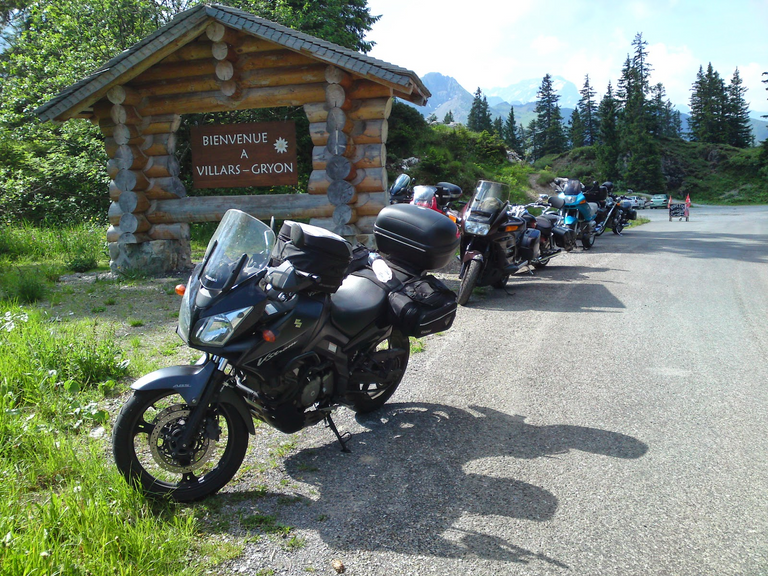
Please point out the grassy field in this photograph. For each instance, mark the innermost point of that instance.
(67, 347)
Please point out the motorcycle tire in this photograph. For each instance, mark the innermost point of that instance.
(617, 226)
(368, 396)
(144, 435)
(468, 282)
(587, 241)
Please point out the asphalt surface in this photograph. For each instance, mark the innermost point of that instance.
(606, 415)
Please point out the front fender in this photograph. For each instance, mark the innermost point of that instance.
(470, 255)
(189, 382)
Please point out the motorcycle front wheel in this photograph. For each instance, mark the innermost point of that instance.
(468, 282)
(587, 241)
(617, 226)
(146, 450)
(389, 359)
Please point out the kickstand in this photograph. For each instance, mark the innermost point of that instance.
(329, 423)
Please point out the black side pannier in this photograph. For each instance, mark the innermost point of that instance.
(563, 236)
(422, 306)
(313, 250)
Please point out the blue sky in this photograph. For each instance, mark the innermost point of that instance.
(490, 43)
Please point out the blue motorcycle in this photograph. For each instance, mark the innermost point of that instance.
(577, 211)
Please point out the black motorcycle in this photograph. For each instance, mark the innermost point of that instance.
(290, 328)
(554, 238)
(614, 211)
(494, 242)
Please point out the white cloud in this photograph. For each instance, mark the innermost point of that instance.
(545, 45)
(751, 78)
(675, 67)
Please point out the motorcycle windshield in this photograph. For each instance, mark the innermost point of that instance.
(240, 248)
(489, 198)
(424, 196)
(398, 192)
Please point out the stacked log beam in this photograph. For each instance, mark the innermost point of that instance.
(349, 132)
(142, 164)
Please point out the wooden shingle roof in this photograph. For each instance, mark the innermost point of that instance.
(76, 100)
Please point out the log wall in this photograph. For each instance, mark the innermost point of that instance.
(224, 69)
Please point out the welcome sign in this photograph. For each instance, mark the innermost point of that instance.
(239, 155)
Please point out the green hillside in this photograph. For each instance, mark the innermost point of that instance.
(710, 173)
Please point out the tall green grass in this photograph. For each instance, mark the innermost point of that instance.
(78, 248)
(67, 510)
(32, 257)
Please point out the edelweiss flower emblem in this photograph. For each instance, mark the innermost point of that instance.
(281, 145)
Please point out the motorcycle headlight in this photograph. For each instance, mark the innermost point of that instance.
(216, 330)
(184, 317)
(477, 228)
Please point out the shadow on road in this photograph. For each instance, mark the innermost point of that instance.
(543, 291)
(404, 486)
(712, 244)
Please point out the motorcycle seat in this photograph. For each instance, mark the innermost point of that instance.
(357, 303)
(544, 224)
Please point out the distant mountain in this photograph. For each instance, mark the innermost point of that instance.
(449, 95)
(526, 91)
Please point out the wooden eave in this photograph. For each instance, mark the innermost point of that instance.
(77, 100)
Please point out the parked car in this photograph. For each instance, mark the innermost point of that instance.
(659, 201)
(637, 202)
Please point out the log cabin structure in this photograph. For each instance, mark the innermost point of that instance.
(214, 58)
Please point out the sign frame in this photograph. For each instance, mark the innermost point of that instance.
(243, 155)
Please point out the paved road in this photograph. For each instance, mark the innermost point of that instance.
(606, 416)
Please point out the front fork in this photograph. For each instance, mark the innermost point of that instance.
(196, 414)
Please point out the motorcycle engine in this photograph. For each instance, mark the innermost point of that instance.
(316, 384)
(283, 401)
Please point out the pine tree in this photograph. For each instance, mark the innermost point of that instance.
(448, 119)
(640, 63)
(665, 120)
(549, 121)
(608, 138)
(576, 130)
(498, 127)
(533, 141)
(511, 134)
(708, 108)
(638, 148)
(522, 138)
(739, 127)
(479, 118)
(587, 109)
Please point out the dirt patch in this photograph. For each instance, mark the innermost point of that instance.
(140, 314)
(536, 188)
